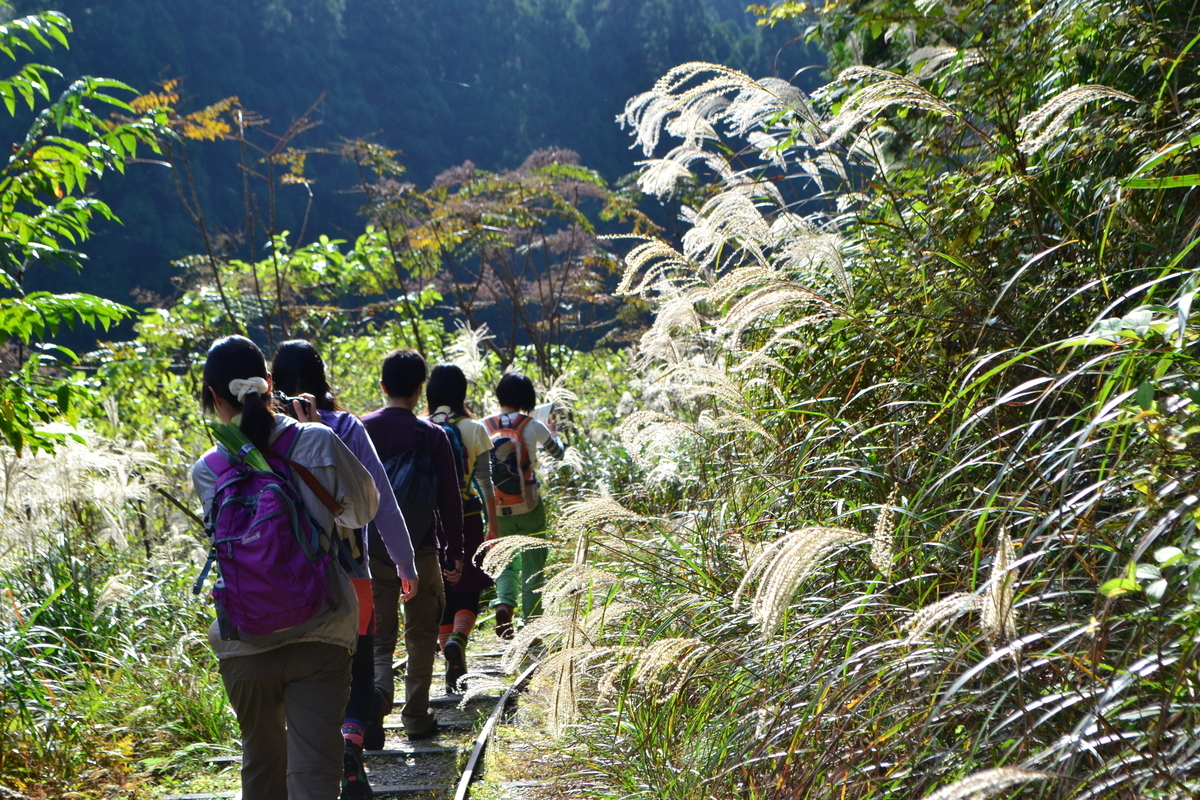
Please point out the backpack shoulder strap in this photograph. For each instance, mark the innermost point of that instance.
(525, 420)
(217, 461)
(492, 424)
(310, 480)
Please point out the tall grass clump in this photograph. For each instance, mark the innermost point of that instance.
(912, 471)
(104, 670)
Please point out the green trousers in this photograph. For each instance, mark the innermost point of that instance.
(524, 575)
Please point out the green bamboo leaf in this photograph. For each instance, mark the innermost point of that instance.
(1173, 182)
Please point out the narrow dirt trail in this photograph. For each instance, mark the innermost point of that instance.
(429, 770)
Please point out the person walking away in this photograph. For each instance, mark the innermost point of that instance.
(446, 394)
(298, 369)
(516, 437)
(287, 616)
(420, 465)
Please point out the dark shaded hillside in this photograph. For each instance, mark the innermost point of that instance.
(442, 81)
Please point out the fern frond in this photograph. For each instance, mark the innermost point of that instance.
(1035, 130)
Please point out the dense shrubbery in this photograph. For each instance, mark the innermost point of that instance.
(896, 497)
(917, 466)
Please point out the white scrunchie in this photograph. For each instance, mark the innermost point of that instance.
(241, 388)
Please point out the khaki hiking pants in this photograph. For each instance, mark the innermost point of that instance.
(422, 618)
(289, 704)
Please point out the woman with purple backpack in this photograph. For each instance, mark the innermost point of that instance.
(274, 492)
(298, 369)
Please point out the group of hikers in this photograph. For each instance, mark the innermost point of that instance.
(323, 524)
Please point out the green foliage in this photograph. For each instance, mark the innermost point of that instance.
(44, 213)
(939, 419)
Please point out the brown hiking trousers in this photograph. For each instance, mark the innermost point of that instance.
(289, 703)
(422, 618)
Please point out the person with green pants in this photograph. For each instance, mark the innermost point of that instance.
(516, 437)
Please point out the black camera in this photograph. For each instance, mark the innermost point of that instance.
(285, 404)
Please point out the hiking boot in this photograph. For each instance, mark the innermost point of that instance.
(455, 652)
(355, 785)
(373, 735)
(504, 626)
(429, 733)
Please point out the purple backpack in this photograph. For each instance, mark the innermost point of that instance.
(278, 568)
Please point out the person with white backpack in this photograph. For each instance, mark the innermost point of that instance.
(516, 437)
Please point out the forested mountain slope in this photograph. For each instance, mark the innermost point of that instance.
(442, 81)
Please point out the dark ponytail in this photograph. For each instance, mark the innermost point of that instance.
(447, 386)
(229, 359)
(298, 369)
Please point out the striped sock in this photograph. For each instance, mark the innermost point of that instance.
(352, 732)
(464, 623)
(444, 634)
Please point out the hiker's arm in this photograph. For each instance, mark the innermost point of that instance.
(354, 488)
(205, 484)
(550, 442)
(483, 481)
(449, 499)
(388, 519)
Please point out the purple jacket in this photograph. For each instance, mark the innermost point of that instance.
(388, 519)
(393, 430)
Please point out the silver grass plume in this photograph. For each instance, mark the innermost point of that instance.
(1036, 129)
(587, 514)
(661, 262)
(782, 566)
(765, 303)
(730, 218)
(559, 394)
(986, 783)
(805, 250)
(477, 684)
(926, 619)
(674, 657)
(466, 351)
(690, 381)
(934, 61)
(997, 616)
(503, 550)
(677, 329)
(660, 176)
(732, 423)
(889, 90)
(781, 336)
(115, 591)
(573, 580)
(652, 438)
(881, 537)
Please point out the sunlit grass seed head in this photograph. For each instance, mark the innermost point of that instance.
(926, 619)
(881, 537)
(987, 783)
(783, 565)
(997, 615)
(503, 550)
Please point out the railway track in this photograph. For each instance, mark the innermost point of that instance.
(442, 768)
